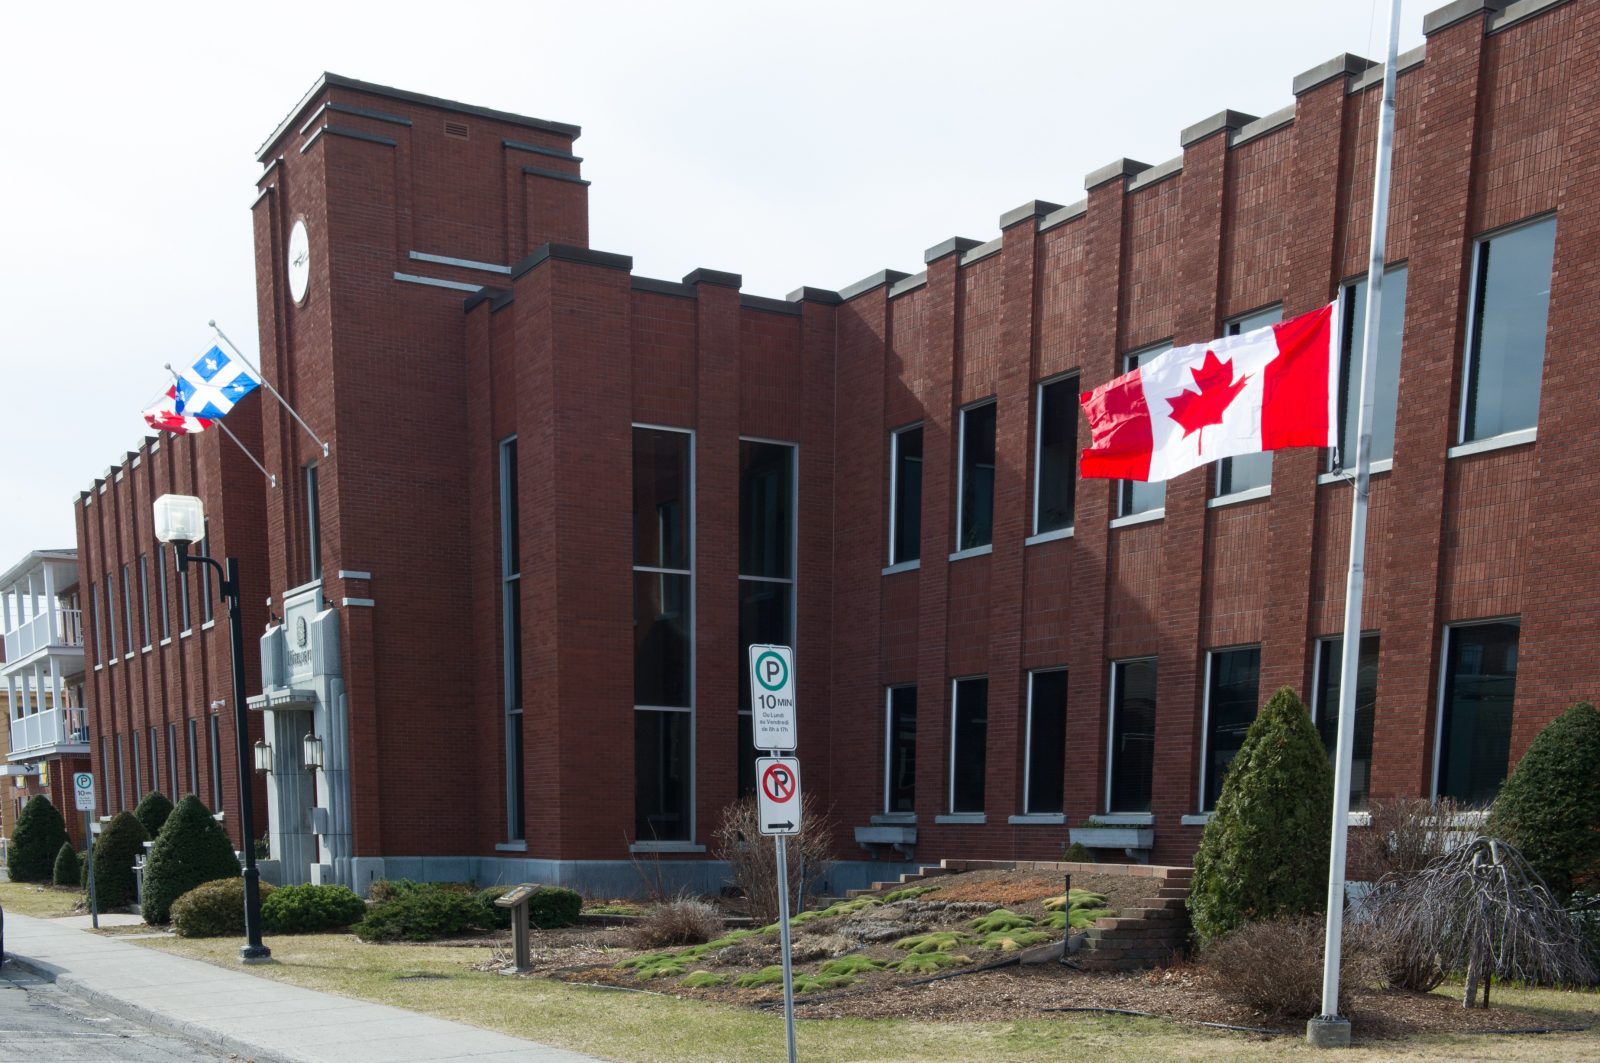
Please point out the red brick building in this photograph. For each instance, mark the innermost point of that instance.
(513, 598)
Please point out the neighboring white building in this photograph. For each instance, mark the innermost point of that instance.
(42, 618)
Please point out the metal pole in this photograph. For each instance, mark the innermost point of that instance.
(1355, 580)
(783, 932)
(268, 385)
(271, 479)
(253, 951)
(94, 901)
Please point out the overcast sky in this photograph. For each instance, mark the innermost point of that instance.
(795, 144)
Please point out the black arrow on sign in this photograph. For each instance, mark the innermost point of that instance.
(780, 826)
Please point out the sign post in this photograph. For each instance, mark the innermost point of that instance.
(83, 801)
(774, 728)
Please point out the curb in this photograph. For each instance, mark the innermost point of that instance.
(192, 1031)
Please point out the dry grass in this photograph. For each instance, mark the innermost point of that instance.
(45, 902)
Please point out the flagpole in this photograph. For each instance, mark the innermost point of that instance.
(268, 385)
(1329, 1029)
(272, 480)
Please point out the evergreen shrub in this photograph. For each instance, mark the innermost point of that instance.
(114, 851)
(68, 869)
(492, 916)
(35, 840)
(190, 850)
(308, 909)
(153, 811)
(214, 909)
(421, 913)
(552, 907)
(1264, 852)
(1550, 806)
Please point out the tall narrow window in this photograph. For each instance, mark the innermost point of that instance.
(110, 586)
(511, 635)
(1133, 735)
(900, 744)
(99, 625)
(193, 745)
(1045, 773)
(104, 768)
(313, 525)
(1232, 687)
(155, 762)
(905, 495)
(969, 743)
(183, 600)
(1329, 662)
(975, 527)
(144, 598)
(172, 762)
(1510, 307)
(1247, 471)
(205, 576)
(122, 775)
(1055, 457)
(1136, 496)
(138, 773)
(766, 570)
(663, 693)
(161, 591)
(1385, 365)
(214, 729)
(127, 605)
(1480, 686)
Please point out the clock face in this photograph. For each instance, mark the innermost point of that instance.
(299, 261)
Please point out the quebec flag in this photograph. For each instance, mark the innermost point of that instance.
(210, 387)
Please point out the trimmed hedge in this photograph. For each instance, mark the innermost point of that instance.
(492, 916)
(308, 909)
(421, 913)
(153, 811)
(1264, 853)
(214, 909)
(35, 841)
(1550, 806)
(69, 868)
(122, 840)
(552, 907)
(190, 850)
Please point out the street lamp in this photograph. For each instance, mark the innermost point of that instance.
(180, 520)
(312, 747)
(263, 758)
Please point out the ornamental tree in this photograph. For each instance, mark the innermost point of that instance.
(1550, 806)
(153, 811)
(35, 840)
(191, 849)
(114, 853)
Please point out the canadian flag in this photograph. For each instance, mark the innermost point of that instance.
(1264, 390)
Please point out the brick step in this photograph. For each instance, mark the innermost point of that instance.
(1166, 904)
(1173, 893)
(1109, 935)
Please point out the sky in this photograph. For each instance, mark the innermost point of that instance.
(794, 144)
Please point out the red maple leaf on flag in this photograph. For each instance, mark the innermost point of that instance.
(1217, 390)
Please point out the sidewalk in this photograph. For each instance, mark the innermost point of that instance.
(259, 1019)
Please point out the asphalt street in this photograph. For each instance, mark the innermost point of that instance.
(40, 1022)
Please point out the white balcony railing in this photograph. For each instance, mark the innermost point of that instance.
(50, 730)
(34, 634)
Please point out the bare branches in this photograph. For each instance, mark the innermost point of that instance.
(753, 863)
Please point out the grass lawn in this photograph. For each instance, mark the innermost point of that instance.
(648, 1028)
(32, 898)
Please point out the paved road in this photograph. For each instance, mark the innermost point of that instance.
(39, 1022)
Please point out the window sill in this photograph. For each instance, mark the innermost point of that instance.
(147, 648)
(1373, 469)
(1124, 819)
(186, 632)
(1037, 819)
(976, 551)
(1500, 442)
(99, 667)
(902, 566)
(1048, 537)
(962, 817)
(1249, 494)
(511, 847)
(893, 819)
(128, 656)
(113, 660)
(1140, 518)
(167, 641)
(666, 847)
(1200, 819)
(208, 625)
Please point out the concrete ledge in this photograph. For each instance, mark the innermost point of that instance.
(815, 295)
(572, 253)
(1343, 65)
(866, 284)
(713, 276)
(954, 245)
(1443, 18)
(1217, 123)
(1123, 168)
(1033, 208)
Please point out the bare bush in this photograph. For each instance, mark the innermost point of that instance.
(753, 860)
(1275, 967)
(684, 921)
(1407, 834)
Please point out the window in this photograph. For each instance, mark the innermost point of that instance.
(313, 525)
(511, 631)
(172, 760)
(144, 598)
(122, 779)
(766, 571)
(183, 599)
(1232, 685)
(1136, 496)
(1247, 471)
(161, 590)
(1326, 708)
(1133, 736)
(1480, 684)
(1047, 741)
(109, 587)
(1385, 366)
(194, 757)
(663, 634)
(1055, 454)
(99, 626)
(975, 525)
(104, 768)
(138, 773)
(1509, 305)
(900, 764)
(969, 740)
(214, 729)
(127, 604)
(905, 495)
(205, 575)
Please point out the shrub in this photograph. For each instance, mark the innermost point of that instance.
(35, 840)
(1550, 806)
(491, 916)
(1275, 967)
(419, 914)
(387, 889)
(190, 850)
(153, 811)
(1265, 851)
(308, 909)
(214, 909)
(114, 852)
(681, 922)
(753, 860)
(552, 907)
(68, 869)
(1077, 853)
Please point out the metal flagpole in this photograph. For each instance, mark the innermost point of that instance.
(271, 479)
(268, 385)
(1329, 1029)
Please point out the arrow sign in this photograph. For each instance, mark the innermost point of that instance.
(778, 794)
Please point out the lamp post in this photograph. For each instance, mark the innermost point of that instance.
(180, 521)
